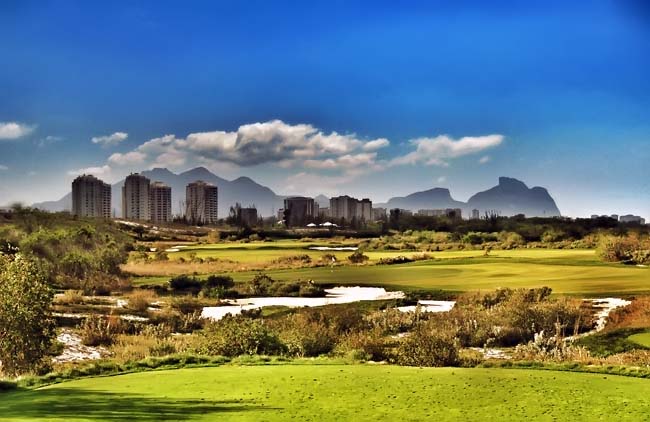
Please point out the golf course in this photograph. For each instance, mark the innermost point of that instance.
(566, 271)
(335, 393)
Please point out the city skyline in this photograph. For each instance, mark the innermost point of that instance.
(393, 103)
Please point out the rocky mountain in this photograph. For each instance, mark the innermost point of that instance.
(243, 190)
(435, 198)
(509, 197)
(512, 196)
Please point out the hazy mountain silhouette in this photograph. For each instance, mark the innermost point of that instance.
(509, 197)
(435, 198)
(512, 196)
(322, 201)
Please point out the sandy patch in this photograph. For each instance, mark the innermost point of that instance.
(74, 350)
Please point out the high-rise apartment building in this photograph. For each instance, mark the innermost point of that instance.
(348, 208)
(201, 203)
(91, 197)
(135, 198)
(160, 202)
(299, 210)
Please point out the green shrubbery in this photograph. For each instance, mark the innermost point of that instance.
(626, 249)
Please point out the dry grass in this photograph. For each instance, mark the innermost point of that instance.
(140, 300)
(128, 348)
(70, 297)
(635, 315)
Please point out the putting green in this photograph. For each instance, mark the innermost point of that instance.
(335, 393)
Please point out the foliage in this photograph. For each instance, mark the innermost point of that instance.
(626, 249)
(234, 336)
(358, 257)
(428, 345)
(97, 330)
(26, 325)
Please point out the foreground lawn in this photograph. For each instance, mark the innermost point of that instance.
(335, 393)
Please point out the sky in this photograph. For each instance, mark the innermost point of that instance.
(374, 99)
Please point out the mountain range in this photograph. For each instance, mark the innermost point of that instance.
(509, 197)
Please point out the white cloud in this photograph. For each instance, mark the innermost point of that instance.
(484, 159)
(95, 171)
(438, 150)
(376, 144)
(14, 130)
(110, 140)
(441, 179)
(130, 158)
(3, 168)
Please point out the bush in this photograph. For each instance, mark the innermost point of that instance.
(100, 331)
(222, 281)
(235, 336)
(628, 249)
(70, 297)
(427, 345)
(185, 283)
(139, 300)
(358, 257)
(26, 325)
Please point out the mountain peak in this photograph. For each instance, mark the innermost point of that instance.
(512, 183)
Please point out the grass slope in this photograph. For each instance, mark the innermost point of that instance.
(335, 393)
(642, 339)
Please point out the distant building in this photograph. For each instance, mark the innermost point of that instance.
(476, 214)
(631, 219)
(379, 213)
(249, 217)
(614, 216)
(135, 198)
(202, 202)
(324, 212)
(300, 210)
(160, 202)
(347, 208)
(91, 197)
(447, 212)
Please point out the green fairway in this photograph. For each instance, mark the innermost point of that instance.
(335, 393)
(642, 339)
(565, 271)
(479, 275)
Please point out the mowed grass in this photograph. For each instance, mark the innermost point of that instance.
(335, 393)
(565, 271)
(642, 339)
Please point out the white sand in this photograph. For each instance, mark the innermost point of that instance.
(74, 350)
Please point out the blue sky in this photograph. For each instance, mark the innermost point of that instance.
(372, 99)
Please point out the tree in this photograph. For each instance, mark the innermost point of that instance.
(26, 324)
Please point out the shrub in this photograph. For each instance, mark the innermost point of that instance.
(234, 336)
(358, 257)
(139, 300)
(100, 331)
(70, 297)
(427, 345)
(26, 326)
(185, 283)
(223, 281)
